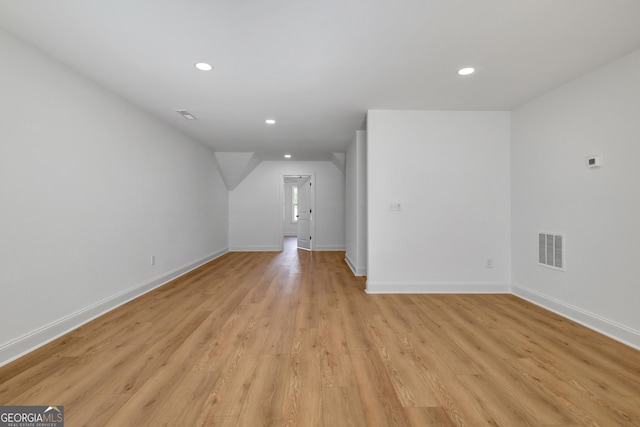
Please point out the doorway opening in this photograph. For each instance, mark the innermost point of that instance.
(298, 202)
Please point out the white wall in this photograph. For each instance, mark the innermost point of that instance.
(450, 173)
(356, 204)
(598, 209)
(90, 188)
(255, 217)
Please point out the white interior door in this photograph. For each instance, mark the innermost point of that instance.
(305, 212)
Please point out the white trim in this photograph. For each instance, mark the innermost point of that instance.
(599, 324)
(329, 248)
(436, 288)
(357, 271)
(263, 248)
(27, 343)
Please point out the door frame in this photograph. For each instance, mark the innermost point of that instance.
(312, 226)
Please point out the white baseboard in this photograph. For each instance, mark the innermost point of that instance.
(265, 248)
(357, 271)
(436, 288)
(592, 321)
(272, 248)
(31, 341)
(328, 248)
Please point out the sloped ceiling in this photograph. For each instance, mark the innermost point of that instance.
(318, 66)
(235, 167)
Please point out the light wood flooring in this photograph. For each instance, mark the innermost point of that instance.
(291, 338)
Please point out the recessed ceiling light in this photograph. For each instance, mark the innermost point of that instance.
(203, 66)
(287, 156)
(270, 122)
(466, 71)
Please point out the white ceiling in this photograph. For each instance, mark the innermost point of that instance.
(317, 66)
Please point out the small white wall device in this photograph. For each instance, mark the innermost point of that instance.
(594, 161)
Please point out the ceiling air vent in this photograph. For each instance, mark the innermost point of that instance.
(187, 115)
(551, 250)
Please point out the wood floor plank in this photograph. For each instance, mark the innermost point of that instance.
(227, 396)
(355, 331)
(426, 332)
(32, 376)
(504, 410)
(634, 376)
(455, 399)
(291, 338)
(104, 406)
(307, 312)
(594, 381)
(303, 393)
(263, 405)
(281, 315)
(74, 385)
(429, 417)
(337, 370)
(131, 371)
(230, 339)
(28, 365)
(412, 386)
(382, 406)
(184, 403)
(342, 407)
(510, 387)
(225, 422)
(564, 392)
(150, 399)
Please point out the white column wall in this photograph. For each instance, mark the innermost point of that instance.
(449, 171)
(356, 179)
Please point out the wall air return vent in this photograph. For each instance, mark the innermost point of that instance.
(551, 249)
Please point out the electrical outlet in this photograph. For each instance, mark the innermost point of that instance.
(395, 206)
(489, 263)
